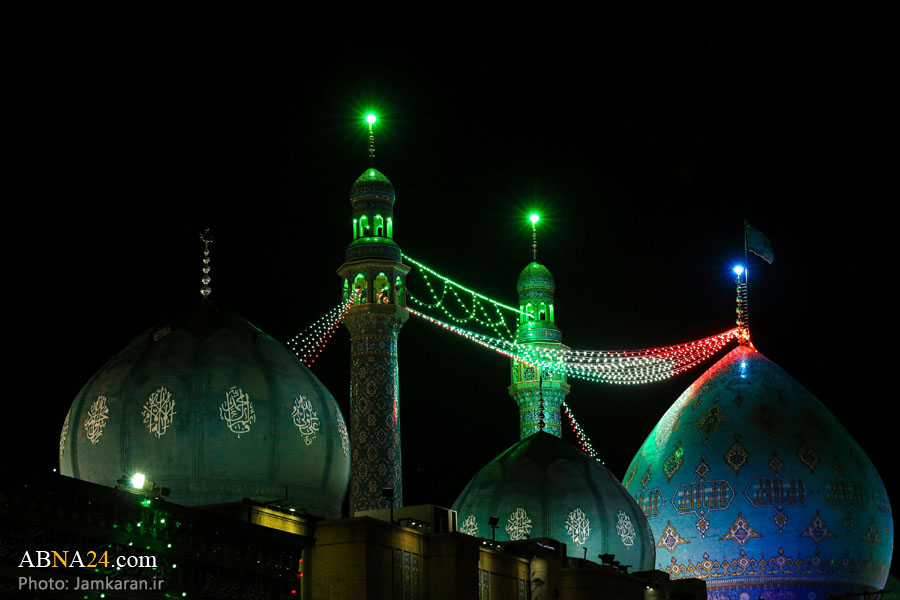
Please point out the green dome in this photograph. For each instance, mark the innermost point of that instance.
(372, 184)
(211, 407)
(545, 487)
(535, 276)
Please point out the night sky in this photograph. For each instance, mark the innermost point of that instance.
(644, 141)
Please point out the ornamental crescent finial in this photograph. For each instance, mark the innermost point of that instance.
(207, 239)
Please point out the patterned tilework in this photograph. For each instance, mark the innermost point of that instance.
(750, 483)
(529, 411)
(374, 409)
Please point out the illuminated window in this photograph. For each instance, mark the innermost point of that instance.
(346, 289)
(551, 314)
(363, 226)
(382, 289)
(390, 227)
(355, 232)
(360, 287)
(542, 312)
(398, 285)
(529, 309)
(379, 225)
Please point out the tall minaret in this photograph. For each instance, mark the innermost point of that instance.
(374, 274)
(538, 392)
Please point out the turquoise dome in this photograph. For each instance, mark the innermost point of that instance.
(372, 185)
(535, 277)
(214, 409)
(751, 484)
(545, 487)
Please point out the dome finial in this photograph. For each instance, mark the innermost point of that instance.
(534, 218)
(207, 239)
(370, 119)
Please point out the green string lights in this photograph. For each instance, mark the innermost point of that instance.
(623, 367)
(476, 309)
(620, 367)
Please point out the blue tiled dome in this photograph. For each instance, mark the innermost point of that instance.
(750, 483)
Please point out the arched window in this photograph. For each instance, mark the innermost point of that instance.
(360, 287)
(551, 314)
(355, 232)
(363, 226)
(542, 312)
(529, 308)
(346, 289)
(398, 286)
(379, 226)
(382, 289)
(390, 227)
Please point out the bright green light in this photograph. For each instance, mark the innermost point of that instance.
(370, 118)
(534, 218)
(137, 481)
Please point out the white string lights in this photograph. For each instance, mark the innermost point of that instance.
(309, 343)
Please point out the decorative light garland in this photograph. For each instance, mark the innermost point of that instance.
(474, 312)
(625, 367)
(309, 343)
(580, 435)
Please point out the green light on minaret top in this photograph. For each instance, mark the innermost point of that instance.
(534, 218)
(370, 119)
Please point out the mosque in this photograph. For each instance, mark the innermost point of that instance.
(747, 488)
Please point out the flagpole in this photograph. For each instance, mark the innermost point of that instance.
(745, 316)
(745, 251)
(745, 244)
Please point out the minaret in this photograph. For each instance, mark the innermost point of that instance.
(538, 392)
(375, 277)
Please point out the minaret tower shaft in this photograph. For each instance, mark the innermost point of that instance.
(375, 277)
(538, 392)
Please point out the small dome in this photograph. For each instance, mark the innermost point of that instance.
(545, 487)
(535, 276)
(211, 407)
(372, 184)
(748, 481)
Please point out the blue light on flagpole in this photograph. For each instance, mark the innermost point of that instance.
(738, 270)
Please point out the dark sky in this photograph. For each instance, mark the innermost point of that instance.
(645, 140)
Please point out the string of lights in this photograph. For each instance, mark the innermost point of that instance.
(583, 440)
(309, 343)
(626, 367)
(475, 308)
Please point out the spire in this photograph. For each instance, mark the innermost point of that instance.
(207, 239)
(370, 119)
(534, 218)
